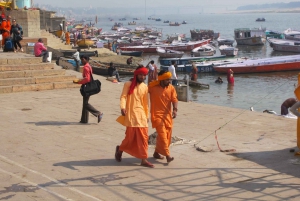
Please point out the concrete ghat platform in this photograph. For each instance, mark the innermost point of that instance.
(45, 154)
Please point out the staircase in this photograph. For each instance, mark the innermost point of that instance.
(24, 72)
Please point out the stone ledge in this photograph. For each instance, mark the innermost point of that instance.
(6, 89)
(20, 67)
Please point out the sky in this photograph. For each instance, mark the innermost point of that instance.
(230, 4)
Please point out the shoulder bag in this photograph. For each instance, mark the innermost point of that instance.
(90, 88)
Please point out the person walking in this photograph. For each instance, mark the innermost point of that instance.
(134, 110)
(77, 59)
(152, 75)
(86, 107)
(172, 70)
(17, 32)
(163, 104)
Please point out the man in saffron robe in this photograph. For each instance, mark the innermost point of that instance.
(5, 27)
(134, 110)
(162, 96)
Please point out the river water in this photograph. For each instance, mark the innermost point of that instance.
(262, 91)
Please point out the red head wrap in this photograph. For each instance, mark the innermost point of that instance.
(139, 71)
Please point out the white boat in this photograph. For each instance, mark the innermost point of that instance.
(225, 41)
(166, 53)
(291, 34)
(204, 50)
(247, 36)
(228, 50)
(284, 45)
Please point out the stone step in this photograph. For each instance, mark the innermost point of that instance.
(31, 73)
(38, 87)
(11, 58)
(22, 67)
(36, 80)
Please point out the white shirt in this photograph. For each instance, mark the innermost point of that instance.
(151, 67)
(76, 56)
(171, 69)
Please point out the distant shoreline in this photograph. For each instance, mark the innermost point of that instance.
(297, 10)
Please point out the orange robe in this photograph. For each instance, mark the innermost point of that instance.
(136, 135)
(67, 35)
(5, 27)
(161, 116)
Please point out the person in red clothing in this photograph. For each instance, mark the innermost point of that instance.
(86, 107)
(230, 77)
(40, 50)
(5, 27)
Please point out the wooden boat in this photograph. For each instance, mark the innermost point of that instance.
(166, 21)
(260, 19)
(131, 23)
(166, 53)
(102, 68)
(273, 64)
(69, 53)
(197, 84)
(274, 34)
(284, 45)
(184, 22)
(249, 36)
(291, 34)
(85, 43)
(199, 34)
(228, 50)
(188, 60)
(225, 41)
(174, 24)
(132, 53)
(178, 47)
(204, 50)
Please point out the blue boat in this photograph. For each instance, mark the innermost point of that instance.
(187, 60)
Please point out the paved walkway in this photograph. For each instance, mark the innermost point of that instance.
(45, 154)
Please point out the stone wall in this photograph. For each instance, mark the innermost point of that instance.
(50, 21)
(29, 20)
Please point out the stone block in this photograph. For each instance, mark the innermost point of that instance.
(64, 85)
(32, 87)
(39, 73)
(3, 61)
(6, 89)
(54, 79)
(11, 74)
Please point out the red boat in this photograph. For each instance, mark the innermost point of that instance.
(189, 46)
(282, 63)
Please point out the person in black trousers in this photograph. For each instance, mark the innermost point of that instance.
(86, 107)
(17, 32)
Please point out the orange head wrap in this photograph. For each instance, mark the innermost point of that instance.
(164, 76)
(139, 71)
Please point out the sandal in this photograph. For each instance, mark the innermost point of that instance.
(147, 164)
(100, 117)
(169, 159)
(118, 155)
(157, 156)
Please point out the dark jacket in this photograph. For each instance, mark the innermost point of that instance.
(14, 30)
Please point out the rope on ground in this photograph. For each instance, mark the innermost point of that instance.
(225, 124)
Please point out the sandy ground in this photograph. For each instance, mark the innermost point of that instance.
(45, 154)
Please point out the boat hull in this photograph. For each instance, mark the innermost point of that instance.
(203, 54)
(285, 48)
(188, 68)
(249, 41)
(290, 66)
(229, 52)
(132, 53)
(152, 49)
(187, 60)
(85, 43)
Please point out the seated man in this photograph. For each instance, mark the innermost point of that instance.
(40, 50)
(219, 80)
(129, 60)
(112, 71)
(287, 104)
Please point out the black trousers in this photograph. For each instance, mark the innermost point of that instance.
(16, 44)
(86, 108)
(45, 55)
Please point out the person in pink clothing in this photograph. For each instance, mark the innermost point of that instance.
(86, 107)
(40, 50)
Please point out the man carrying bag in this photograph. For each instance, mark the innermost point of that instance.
(89, 87)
